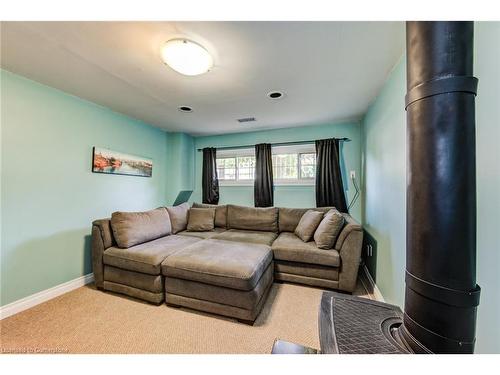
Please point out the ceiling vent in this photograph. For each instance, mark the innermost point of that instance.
(246, 119)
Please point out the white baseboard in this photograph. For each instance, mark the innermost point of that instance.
(376, 291)
(45, 295)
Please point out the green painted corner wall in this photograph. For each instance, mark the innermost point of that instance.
(487, 69)
(180, 162)
(286, 196)
(384, 182)
(49, 196)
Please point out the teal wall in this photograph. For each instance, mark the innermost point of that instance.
(487, 69)
(49, 196)
(180, 161)
(287, 196)
(384, 183)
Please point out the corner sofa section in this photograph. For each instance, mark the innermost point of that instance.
(304, 263)
(228, 270)
(134, 271)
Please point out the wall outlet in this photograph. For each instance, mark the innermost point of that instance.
(369, 250)
(352, 174)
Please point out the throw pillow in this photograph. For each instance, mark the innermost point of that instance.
(328, 230)
(220, 213)
(201, 219)
(307, 225)
(133, 228)
(178, 217)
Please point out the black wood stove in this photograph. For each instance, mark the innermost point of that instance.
(441, 295)
(355, 325)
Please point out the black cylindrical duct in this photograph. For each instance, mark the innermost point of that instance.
(441, 296)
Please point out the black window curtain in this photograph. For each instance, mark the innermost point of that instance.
(329, 186)
(263, 185)
(210, 181)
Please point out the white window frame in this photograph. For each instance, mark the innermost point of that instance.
(235, 153)
(308, 148)
(291, 149)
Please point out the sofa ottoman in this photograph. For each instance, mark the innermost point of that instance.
(221, 277)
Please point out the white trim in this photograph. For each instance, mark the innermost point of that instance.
(308, 148)
(233, 153)
(236, 182)
(376, 291)
(45, 295)
(296, 182)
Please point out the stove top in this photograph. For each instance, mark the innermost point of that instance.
(355, 325)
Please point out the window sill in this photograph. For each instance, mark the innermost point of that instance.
(235, 184)
(279, 183)
(298, 183)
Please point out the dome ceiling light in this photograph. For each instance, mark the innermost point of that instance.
(186, 57)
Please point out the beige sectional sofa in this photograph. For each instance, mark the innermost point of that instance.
(228, 270)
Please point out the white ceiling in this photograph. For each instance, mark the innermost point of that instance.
(330, 71)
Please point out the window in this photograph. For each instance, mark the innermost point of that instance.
(226, 168)
(236, 167)
(307, 165)
(246, 167)
(292, 165)
(285, 166)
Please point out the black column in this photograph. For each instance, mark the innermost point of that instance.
(441, 296)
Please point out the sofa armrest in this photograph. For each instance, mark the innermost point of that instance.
(102, 238)
(350, 255)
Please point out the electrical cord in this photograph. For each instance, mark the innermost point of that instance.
(356, 194)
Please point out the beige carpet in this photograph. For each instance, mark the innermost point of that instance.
(90, 321)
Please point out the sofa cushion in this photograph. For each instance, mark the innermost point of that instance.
(288, 218)
(307, 269)
(290, 247)
(151, 283)
(308, 224)
(245, 299)
(201, 219)
(148, 256)
(328, 230)
(202, 235)
(230, 264)
(178, 217)
(247, 236)
(250, 218)
(220, 213)
(132, 228)
(350, 225)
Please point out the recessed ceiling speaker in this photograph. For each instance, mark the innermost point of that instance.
(275, 95)
(246, 119)
(185, 108)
